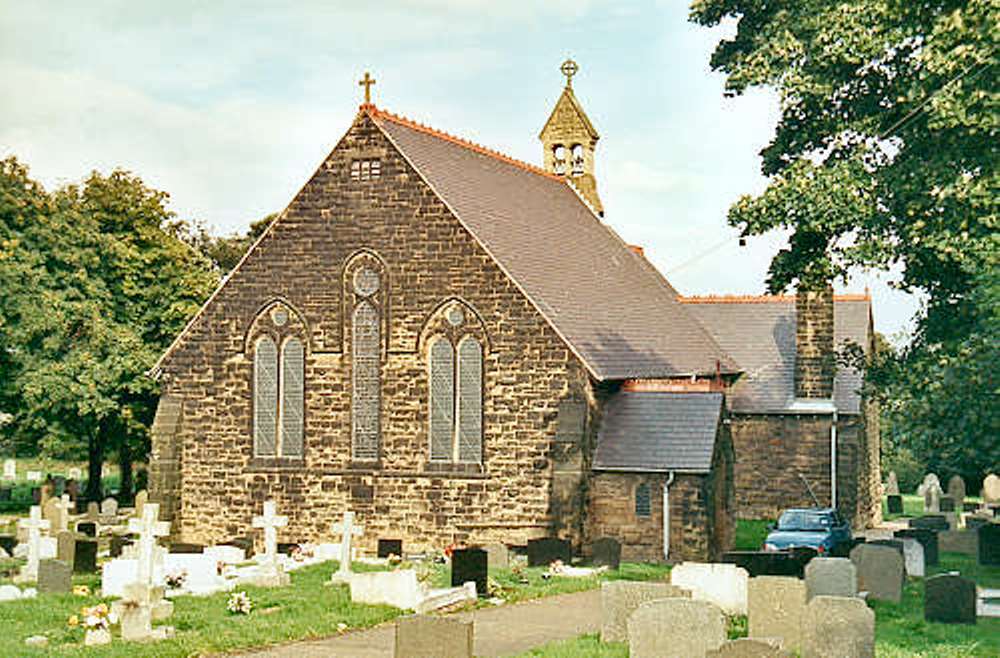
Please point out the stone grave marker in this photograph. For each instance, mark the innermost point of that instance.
(838, 626)
(65, 546)
(929, 540)
(54, 576)
(947, 504)
(959, 541)
(950, 599)
(895, 544)
(932, 498)
(929, 480)
(88, 528)
(426, 636)
(831, 576)
(347, 531)
(894, 502)
(272, 574)
(620, 598)
(607, 551)
(930, 521)
(956, 489)
(880, 571)
(50, 512)
(913, 557)
(148, 527)
(989, 544)
(75, 473)
(9, 469)
(775, 606)
(140, 501)
(93, 511)
(543, 552)
(33, 476)
(725, 585)
(387, 547)
(63, 507)
(109, 508)
(34, 525)
(85, 556)
(7, 543)
(5, 494)
(675, 628)
(470, 564)
(991, 489)
(892, 484)
(746, 647)
(497, 556)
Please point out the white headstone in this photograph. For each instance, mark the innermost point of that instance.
(347, 530)
(270, 522)
(201, 569)
(226, 554)
(34, 525)
(148, 528)
(932, 498)
(109, 507)
(991, 488)
(75, 473)
(913, 557)
(33, 476)
(63, 507)
(725, 585)
(9, 469)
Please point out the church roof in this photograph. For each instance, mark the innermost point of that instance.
(658, 431)
(609, 304)
(759, 332)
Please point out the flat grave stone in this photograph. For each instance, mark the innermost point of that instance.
(65, 546)
(838, 626)
(959, 541)
(85, 556)
(426, 636)
(956, 489)
(387, 547)
(663, 629)
(746, 647)
(607, 552)
(725, 585)
(831, 576)
(775, 606)
(497, 556)
(620, 598)
(947, 504)
(54, 576)
(929, 540)
(545, 551)
(186, 548)
(895, 503)
(913, 557)
(950, 599)
(989, 544)
(880, 571)
(470, 564)
(226, 554)
(930, 522)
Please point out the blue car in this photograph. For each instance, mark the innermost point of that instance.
(821, 528)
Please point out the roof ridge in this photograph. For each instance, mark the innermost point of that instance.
(767, 299)
(379, 113)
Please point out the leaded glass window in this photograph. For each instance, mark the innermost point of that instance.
(442, 398)
(292, 397)
(642, 501)
(470, 400)
(265, 396)
(366, 392)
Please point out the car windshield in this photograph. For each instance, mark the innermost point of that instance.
(803, 520)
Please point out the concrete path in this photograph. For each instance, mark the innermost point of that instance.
(501, 631)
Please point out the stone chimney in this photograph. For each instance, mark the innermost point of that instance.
(815, 360)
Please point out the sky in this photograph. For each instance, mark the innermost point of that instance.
(231, 107)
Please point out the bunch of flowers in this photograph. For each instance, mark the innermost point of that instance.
(95, 618)
(81, 590)
(302, 552)
(239, 603)
(176, 579)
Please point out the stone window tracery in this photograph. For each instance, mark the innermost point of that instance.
(278, 382)
(365, 291)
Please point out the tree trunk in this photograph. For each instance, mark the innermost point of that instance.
(125, 467)
(95, 466)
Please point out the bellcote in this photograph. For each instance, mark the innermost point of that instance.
(568, 141)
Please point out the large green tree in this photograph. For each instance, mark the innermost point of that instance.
(885, 157)
(98, 279)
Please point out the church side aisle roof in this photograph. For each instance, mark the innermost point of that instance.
(604, 300)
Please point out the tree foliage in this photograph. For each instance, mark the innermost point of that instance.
(885, 157)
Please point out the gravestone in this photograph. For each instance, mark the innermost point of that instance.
(892, 484)
(895, 544)
(347, 531)
(775, 606)
(663, 629)
(991, 489)
(387, 547)
(880, 571)
(950, 599)
(470, 564)
(186, 548)
(932, 498)
(725, 585)
(271, 573)
(543, 552)
(620, 598)
(426, 636)
(763, 563)
(65, 546)
(245, 543)
(75, 473)
(746, 647)
(497, 556)
(930, 480)
(831, 576)
(54, 576)
(93, 511)
(838, 626)
(109, 507)
(895, 503)
(947, 504)
(140, 501)
(956, 489)
(51, 513)
(85, 556)
(913, 557)
(927, 538)
(959, 541)
(989, 544)
(34, 525)
(930, 521)
(9, 469)
(88, 528)
(607, 551)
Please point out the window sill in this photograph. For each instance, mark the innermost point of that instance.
(276, 464)
(454, 468)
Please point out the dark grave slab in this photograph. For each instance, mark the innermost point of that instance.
(287, 548)
(970, 507)
(545, 551)
(895, 503)
(88, 528)
(927, 538)
(118, 542)
(931, 522)
(183, 547)
(947, 504)
(975, 522)
(387, 547)
(7, 543)
(949, 599)
(81, 505)
(606, 552)
(891, 543)
(85, 556)
(470, 564)
(5, 494)
(799, 557)
(54, 576)
(246, 543)
(989, 544)
(762, 563)
(36, 495)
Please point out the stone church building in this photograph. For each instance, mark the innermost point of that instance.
(456, 346)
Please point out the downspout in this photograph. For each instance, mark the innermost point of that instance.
(666, 515)
(833, 459)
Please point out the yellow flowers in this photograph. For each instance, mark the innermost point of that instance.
(81, 590)
(73, 622)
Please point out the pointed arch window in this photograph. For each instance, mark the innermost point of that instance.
(278, 397)
(366, 391)
(576, 158)
(265, 396)
(559, 159)
(456, 400)
(470, 401)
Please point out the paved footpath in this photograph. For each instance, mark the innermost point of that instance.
(501, 631)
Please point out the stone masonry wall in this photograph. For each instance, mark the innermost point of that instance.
(429, 258)
(815, 358)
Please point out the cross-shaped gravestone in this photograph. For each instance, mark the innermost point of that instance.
(270, 522)
(148, 529)
(347, 531)
(34, 524)
(63, 506)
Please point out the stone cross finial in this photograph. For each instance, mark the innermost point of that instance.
(149, 528)
(569, 69)
(270, 522)
(347, 531)
(34, 525)
(63, 506)
(367, 83)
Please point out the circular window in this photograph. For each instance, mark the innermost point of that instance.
(279, 316)
(366, 281)
(455, 316)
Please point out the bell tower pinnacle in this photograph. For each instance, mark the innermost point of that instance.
(568, 141)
